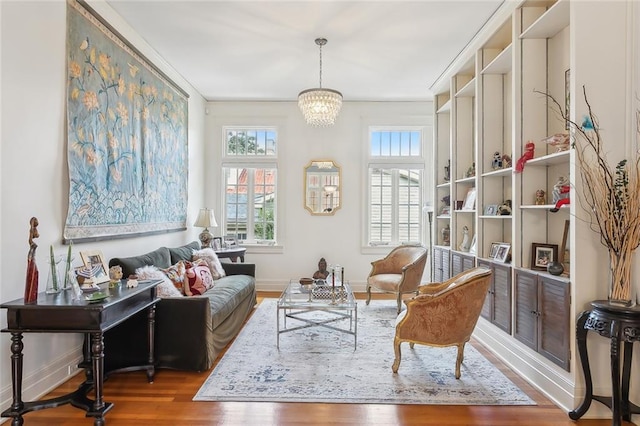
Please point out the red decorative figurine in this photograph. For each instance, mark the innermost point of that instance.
(526, 156)
(31, 286)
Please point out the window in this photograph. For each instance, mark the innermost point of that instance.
(395, 185)
(250, 177)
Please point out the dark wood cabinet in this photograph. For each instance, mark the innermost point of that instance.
(441, 264)
(460, 262)
(542, 303)
(497, 305)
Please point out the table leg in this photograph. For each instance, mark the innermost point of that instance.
(16, 378)
(97, 362)
(626, 375)
(615, 373)
(151, 370)
(581, 338)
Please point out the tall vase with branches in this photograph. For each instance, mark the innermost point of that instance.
(611, 197)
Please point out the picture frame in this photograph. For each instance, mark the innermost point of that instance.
(503, 252)
(470, 200)
(92, 258)
(491, 210)
(542, 255)
(217, 243)
(474, 245)
(229, 241)
(493, 249)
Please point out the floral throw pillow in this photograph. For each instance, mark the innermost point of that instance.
(209, 256)
(165, 288)
(198, 278)
(176, 274)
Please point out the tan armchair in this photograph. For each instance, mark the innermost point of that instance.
(443, 314)
(400, 272)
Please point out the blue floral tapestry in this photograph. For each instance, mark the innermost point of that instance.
(126, 137)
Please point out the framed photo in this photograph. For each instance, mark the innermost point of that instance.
(542, 254)
(502, 253)
(230, 241)
(470, 200)
(217, 243)
(95, 259)
(491, 210)
(493, 250)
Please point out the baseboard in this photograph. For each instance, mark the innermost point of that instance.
(43, 380)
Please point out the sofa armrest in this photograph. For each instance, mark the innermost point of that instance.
(231, 268)
(183, 340)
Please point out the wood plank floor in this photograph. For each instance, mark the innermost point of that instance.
(167, 401)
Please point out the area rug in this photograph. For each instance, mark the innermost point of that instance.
(320, 365)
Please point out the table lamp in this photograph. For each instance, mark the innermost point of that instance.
(204, 220)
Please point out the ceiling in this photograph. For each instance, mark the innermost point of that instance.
(265, 50)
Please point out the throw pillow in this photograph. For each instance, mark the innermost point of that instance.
(165, 288)
(209, 256)
(198, 278)
(176, 274)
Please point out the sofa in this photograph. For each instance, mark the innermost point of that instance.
(189, 331)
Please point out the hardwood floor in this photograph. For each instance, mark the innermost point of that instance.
(167, 401)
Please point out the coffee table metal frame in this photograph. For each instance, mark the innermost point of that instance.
(296, 301)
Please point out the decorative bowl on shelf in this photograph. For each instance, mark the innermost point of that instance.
(306, 281)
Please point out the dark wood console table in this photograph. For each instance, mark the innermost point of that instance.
(232, 253)
(621, 325)
(59, 313)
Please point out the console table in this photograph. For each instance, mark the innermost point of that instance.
(621, 325)
(232, 253)
(59, 313)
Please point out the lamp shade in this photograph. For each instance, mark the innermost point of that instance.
(205, 218)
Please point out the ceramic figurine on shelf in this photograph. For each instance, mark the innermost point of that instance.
(471, 171)
(447, 171)
(560, 141)
(464, 246)
(540, 198)
(505, 209)
(496, 164)
(31, 285)
(528, 154)
(446, 235)
(506, 161)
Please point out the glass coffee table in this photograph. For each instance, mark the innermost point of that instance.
(336, 303)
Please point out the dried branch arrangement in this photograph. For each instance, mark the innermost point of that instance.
(612, 197)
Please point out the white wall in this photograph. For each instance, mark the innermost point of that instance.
(304, 238)
(34, 176)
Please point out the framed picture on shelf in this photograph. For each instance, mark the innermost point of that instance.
(542, 255)
(217, 243)
(502, 253)
(491, 210)
(94, 259)
(470, 200)
(493, 250)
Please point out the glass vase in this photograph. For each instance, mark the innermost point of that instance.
(54, 282)
(622, 291)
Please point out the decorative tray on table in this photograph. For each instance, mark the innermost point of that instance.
(327, 292)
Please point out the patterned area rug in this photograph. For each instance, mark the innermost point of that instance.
(320, 365)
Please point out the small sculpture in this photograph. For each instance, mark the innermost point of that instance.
(321, 273)
(132, 281)
(540, 198)
(447, 171)
(560, 141)
(464, 246)
(115, 275)
(561, 194)
(31, 285)
(471, 171)
(496, 164)
(529, 149)
(505, 209)
(506, 161)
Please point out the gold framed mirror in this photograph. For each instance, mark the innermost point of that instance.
(322, 187)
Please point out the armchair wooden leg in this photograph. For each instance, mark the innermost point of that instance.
(459, 359)
(368, 294)
(396, 347)
(399, 302)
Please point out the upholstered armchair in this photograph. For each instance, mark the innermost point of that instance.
(443, 314)
(400, 272)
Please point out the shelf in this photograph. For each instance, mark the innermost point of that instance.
(466, 180)
(542, 207)
(446, 107)
(549, 160)
(465, 211)
(550, 23)
(444, 185)
(468, 90)
(499, 173)
(563, 277)
(444, 217)
(501, 216)
(501, 64)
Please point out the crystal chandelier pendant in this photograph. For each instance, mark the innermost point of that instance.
(320, 106)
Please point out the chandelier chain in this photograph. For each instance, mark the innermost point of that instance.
(320, 65)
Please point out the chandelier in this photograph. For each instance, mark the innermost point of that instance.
(319, 106)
